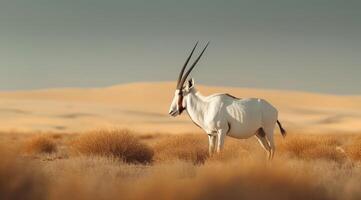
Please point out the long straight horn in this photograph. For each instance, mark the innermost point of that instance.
(191, 68)
(179, 86)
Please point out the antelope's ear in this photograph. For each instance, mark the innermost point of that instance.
(190, 83)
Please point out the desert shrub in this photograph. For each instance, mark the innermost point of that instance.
(312, 147)
(183, 147)
(20, 178)
(39, 144)
(118, 144)
(353, 150)
(57, 136)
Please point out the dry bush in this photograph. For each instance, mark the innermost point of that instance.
(57, 136)
(312, 147)
(353, 150)
(20, 178)
(40, 144)
(117, 144)
(148, 136)
(183, 147)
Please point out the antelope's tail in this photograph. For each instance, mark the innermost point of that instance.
(283, 131)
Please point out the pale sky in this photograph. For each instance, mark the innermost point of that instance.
(303, 45)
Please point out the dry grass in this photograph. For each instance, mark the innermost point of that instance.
(20, 179)
(187, 147)
(305, 167)
(353, 150)
(235, 149)
(40, 144)
(117, 144)
(312, 147)
(251, 180)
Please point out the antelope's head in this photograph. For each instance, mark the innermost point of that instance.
(178, 104)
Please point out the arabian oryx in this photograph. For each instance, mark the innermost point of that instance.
(221, 115)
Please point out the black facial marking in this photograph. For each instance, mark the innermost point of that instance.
(180, 102)
(190, 84)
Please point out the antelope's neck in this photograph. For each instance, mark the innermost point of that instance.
(196, 107)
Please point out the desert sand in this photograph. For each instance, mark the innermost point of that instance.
(143, 107)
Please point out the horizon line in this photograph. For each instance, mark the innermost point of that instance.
(169, 82)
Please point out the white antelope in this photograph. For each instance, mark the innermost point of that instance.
(221, 115)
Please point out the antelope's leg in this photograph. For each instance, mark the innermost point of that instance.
(261, 136)
(211, 143)
(269, 137)
(220, 140)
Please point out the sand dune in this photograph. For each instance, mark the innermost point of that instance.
(143, 107)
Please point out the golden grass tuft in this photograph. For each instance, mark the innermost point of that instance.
(353, 150)
(118, 144)
(182, 147)
(40, 144)
(312, 147)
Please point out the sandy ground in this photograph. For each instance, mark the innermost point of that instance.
(143, 107)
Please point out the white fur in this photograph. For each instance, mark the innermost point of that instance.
(220, 115)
